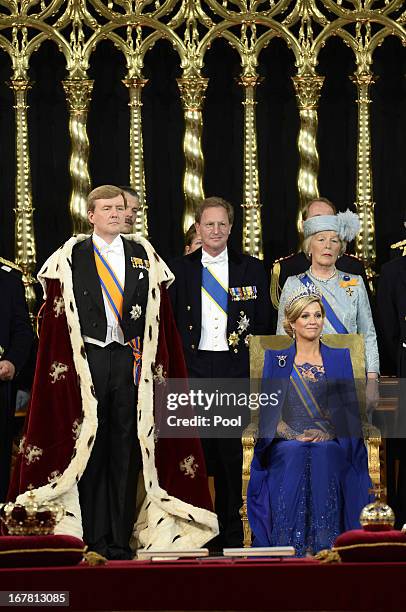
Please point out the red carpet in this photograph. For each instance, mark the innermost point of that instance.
(220, 585)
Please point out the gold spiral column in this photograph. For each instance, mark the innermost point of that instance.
(192, 90)
(137, 174)
(24, 211)
(252, 225)
(307, 89)
(78, 94)
(365, 243)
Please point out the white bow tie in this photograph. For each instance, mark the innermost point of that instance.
(112, 248)
(208, 260)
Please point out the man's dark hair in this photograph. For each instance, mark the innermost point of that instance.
(305, 210)
(130, 190)
(190, 234)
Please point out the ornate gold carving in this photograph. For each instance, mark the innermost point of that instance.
(76, 27)
(365, 242)
(192, 90)
(78, 94)
(137, 175)
(24, 211)
(252, 224)
(307, 88)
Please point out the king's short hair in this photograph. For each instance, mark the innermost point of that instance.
(104, 192)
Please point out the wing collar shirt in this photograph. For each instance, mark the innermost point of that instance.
(213, 335)
(114, 254)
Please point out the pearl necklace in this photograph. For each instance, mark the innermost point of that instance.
(323, 280)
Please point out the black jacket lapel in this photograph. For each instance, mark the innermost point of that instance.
(131, 277)
(236, 271)
(193, 283)
(88, 270)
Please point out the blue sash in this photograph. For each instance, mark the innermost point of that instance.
(330, 314)
(307, 398)
(214, 289)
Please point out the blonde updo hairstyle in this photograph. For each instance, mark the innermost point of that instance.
(307, 243)
(295, 309)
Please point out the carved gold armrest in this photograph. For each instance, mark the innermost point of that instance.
(249, 438)
(373, 439)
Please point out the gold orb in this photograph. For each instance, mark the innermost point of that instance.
(377, 514)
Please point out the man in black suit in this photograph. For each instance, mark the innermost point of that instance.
(111, 296)
(391, 309)
(297, 263)
(16, 338)
(215, 329)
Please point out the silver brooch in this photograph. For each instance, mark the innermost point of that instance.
(135, 312)
(281, 360)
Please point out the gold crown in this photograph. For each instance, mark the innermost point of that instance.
(31, 518)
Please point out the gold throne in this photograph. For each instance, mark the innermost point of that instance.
(372, 436)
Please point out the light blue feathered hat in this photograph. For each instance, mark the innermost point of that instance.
(346, 224)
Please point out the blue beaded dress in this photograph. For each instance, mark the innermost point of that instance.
(306, 504)
(304, 494)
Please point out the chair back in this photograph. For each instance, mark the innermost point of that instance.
(354, 342)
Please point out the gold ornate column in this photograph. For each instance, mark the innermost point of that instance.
(78, 95)
(307, 89)
(365, 243)
(252, 225)
(137, 174)
(24, 223)
(192, 90)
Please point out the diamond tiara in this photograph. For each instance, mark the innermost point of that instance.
(309, 290)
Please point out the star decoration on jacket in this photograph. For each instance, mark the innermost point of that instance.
(247, 340)
(233, 339)
(135, 312)
(243, 323)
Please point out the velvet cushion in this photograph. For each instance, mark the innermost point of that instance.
(378, 546)
(49, 550)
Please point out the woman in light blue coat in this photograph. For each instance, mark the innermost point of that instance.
(345, 298)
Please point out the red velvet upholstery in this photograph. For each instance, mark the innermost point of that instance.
(379, 546)
(40, 551)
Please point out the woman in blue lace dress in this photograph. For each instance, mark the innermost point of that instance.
(309, 476)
